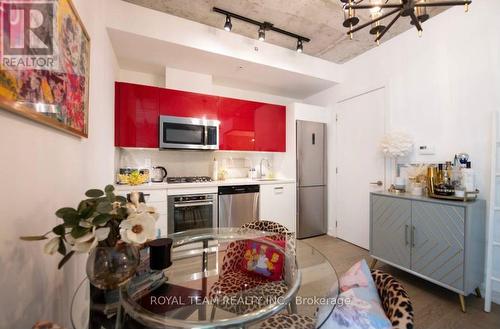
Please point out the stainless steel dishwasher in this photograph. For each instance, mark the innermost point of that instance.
(238, 205)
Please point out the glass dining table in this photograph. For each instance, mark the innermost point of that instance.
(188, 295)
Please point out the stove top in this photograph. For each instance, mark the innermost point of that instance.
(188, 179)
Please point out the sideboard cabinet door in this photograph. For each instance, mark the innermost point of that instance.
(391, 224)
(438, 240)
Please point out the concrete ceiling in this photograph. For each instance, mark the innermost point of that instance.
(320, 20)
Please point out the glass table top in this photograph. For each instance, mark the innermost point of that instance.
(198, 289)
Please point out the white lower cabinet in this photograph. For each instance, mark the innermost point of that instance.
(277, 204)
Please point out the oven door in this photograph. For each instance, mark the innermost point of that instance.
(189, 212)
(188, 133)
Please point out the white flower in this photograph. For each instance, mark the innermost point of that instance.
(396, 144)
(138, 228)
(134, 198)
(139, 209)
(51, 247)
(90, 240)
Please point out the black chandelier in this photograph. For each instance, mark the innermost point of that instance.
(415, 9)
(263, 27)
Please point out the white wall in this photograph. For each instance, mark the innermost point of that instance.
(441, 88)
(141, 78)
(43, 170)
(205, 84)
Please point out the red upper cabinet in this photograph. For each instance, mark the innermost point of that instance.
(185, 104)
(244, 125)
(237, 124)
(136, 115)
(270, 128)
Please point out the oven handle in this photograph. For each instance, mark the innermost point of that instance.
(193, 204)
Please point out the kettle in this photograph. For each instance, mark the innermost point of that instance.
(158, 174)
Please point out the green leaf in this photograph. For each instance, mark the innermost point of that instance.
(121, 199)
(65, 259)
(101, 219)
(62, 248)
(94, 193)
(109, 188)
(104, 207)
(59, 230)
(33, 238)
(64, 211)
(78, 232)
(122, 213)
(111, 197)
(86, 209)
(71, 219)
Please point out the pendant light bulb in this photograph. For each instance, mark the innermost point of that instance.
(300, 47)
(466, 7)
(228, 26)
(419, 33)
(262, 34)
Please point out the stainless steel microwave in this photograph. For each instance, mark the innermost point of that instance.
(188, 133)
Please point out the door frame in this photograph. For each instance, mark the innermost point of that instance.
(387, 124)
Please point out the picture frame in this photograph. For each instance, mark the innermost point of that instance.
(55, 95)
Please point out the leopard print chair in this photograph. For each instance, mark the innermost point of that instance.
(233, 282)
(395, 302)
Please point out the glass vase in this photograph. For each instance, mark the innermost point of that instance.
(110, 267)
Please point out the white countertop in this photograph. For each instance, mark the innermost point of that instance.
(227, 182)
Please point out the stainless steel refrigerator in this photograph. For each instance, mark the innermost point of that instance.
(311, 179)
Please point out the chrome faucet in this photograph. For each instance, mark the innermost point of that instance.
(261, 167)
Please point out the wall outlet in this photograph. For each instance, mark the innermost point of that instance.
(426, 150)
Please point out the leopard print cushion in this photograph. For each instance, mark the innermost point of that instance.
(288, 321)
(395, 301)
(269, 226)
(232, 280)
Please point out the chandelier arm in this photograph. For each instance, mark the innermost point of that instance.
(388, 27)
(362, 26)
(443, 3)
(390, 5)
(415, 20)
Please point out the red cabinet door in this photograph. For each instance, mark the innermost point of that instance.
(136, 115)
(185, 104)
(237, 124)
(270, 128)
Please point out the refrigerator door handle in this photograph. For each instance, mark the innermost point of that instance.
(297, 219)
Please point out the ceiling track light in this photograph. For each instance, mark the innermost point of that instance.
(263, 27)
(262, 34)
(415, 9)
(228, 25)
(300, 47)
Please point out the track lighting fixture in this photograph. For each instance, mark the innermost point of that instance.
(262, 34)
(300, 48)
(263, 27)
(228, 26)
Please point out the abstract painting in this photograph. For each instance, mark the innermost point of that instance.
(45, 64)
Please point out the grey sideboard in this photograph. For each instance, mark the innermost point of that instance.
(438, 240)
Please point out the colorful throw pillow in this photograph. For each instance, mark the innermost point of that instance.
(263, 259)
(358, 305)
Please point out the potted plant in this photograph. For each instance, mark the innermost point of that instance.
(106, 226)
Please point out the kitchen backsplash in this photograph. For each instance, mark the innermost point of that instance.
(193, 163)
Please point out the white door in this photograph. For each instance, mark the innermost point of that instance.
(360, 163)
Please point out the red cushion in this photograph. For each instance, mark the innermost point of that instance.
(262, 259)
